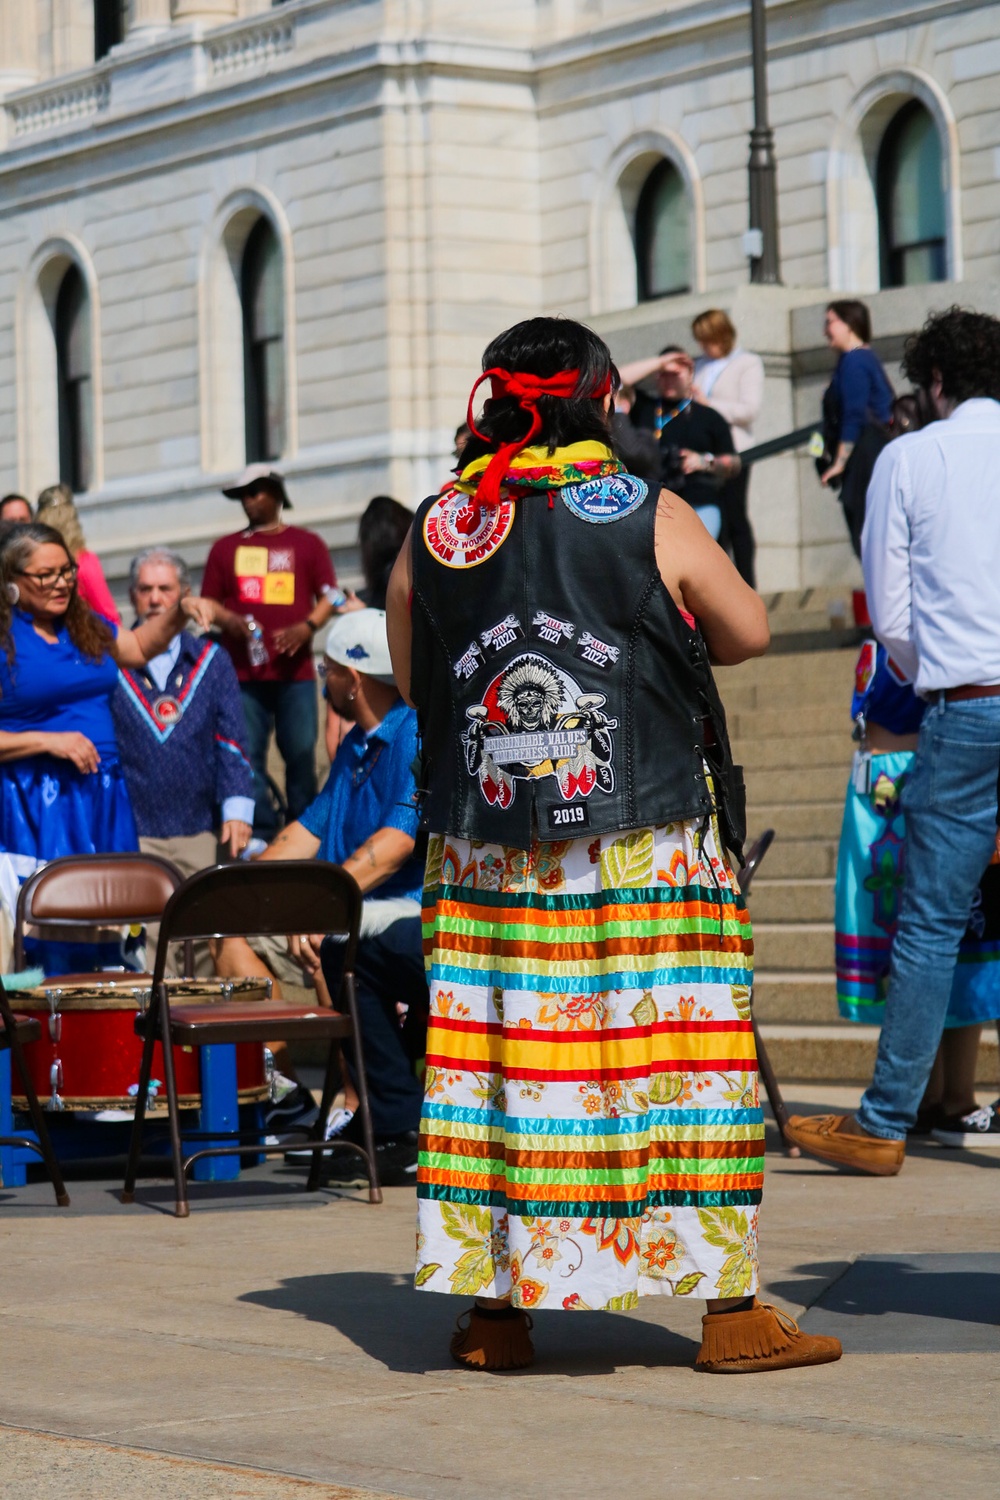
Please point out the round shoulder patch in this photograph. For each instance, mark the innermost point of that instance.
(607, 499)
(462, 535)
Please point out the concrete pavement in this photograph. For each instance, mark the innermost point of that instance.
(271, 1344)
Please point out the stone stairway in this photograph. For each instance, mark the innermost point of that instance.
(789, 717)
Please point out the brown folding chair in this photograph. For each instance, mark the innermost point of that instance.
(94, 890)
(14, 1032)
(747, 871)
(240, 900)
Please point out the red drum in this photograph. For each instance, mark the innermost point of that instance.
(88, 1056)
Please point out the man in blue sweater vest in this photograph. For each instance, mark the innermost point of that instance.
(181, 734)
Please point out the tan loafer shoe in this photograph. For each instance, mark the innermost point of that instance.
(761, 1338)
(822, 1136)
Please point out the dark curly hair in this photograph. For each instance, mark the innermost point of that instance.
(959, 347)
(545, 346)
(89, 634)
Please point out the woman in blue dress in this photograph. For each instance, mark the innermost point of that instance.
(61, 784)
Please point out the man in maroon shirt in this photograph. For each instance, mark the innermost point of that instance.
(276, 585)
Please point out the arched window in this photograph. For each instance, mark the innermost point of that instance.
(911, 201)
(75, 382)
(663, 234)
(262, 293)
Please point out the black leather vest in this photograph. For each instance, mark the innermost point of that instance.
(560, 691)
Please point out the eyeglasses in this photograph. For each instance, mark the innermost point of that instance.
(51, 578)
(324, 666)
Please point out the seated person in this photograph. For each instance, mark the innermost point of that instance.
(365, 819)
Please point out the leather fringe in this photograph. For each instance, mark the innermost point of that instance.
(754, 1334)
(491, 1342)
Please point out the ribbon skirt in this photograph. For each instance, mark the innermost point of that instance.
(591, 1127)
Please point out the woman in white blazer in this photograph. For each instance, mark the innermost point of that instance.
(731, 380)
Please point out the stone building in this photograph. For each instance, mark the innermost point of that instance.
(230, 228)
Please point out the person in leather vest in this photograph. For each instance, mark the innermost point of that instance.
(591, 1128)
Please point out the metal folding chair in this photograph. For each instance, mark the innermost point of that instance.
(239, 900)
(747, 871)
(94, 890)
(15, 1031)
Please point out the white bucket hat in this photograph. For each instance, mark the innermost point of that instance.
(358, 639)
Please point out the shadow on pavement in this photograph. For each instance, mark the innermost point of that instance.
(382, 1315)
(907, 1304)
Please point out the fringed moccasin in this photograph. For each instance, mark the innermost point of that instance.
(495, 1338)
(761, 1338)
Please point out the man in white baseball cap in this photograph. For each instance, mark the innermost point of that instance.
(366, 819)
(276, 586)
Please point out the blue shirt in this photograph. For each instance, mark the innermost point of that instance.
(371, 786)
(54, 688)
(864, 392)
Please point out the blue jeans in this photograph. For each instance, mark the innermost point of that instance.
(950, 803)
(290, 708)
(388, 967)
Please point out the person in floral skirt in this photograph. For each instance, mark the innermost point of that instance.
(591, 1128)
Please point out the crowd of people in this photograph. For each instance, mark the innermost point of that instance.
(532, 784)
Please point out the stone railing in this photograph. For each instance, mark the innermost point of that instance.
(65, 104)
(249, 48)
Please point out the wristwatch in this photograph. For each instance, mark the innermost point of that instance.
(708, 459)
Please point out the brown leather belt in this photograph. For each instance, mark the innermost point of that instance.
(955, 695)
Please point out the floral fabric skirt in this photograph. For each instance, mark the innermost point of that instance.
(591, 1128)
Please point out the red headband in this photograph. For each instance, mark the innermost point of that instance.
(527, 388)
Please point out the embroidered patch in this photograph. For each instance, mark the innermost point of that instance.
(504, 633)
(357, 653)
(469, 662)
(534, 721)
(597, 653)
(865, 669)
(462, 535)
(607, 499)
(553, 631)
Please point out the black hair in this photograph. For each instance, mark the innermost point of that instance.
(675, 349)
(855, 314)
(960, 347)
(544, 347)
(382, 531)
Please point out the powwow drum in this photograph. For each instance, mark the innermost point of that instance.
(91, 1058)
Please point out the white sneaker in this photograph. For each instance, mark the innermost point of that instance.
(337, 1122)
(979, 1130)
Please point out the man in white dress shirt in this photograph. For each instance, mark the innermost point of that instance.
(931, 557)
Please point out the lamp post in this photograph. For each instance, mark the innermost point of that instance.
(762, 240)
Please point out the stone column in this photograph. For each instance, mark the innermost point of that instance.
(147, 19)
(209, 12)
(18, 45)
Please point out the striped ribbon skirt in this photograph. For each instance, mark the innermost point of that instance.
(591, 1128)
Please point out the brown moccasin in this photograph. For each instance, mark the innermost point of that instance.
(822, 1136)
(761, 1338)
(495, 1338)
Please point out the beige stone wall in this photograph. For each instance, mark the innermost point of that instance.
(434, 171)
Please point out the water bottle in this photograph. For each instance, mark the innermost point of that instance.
(256, 649)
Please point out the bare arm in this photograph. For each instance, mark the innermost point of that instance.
(293, 842)
(134, 648)
(382, 855)
(639, 369)
(397, 605)
(70, 745)
(702, 580)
